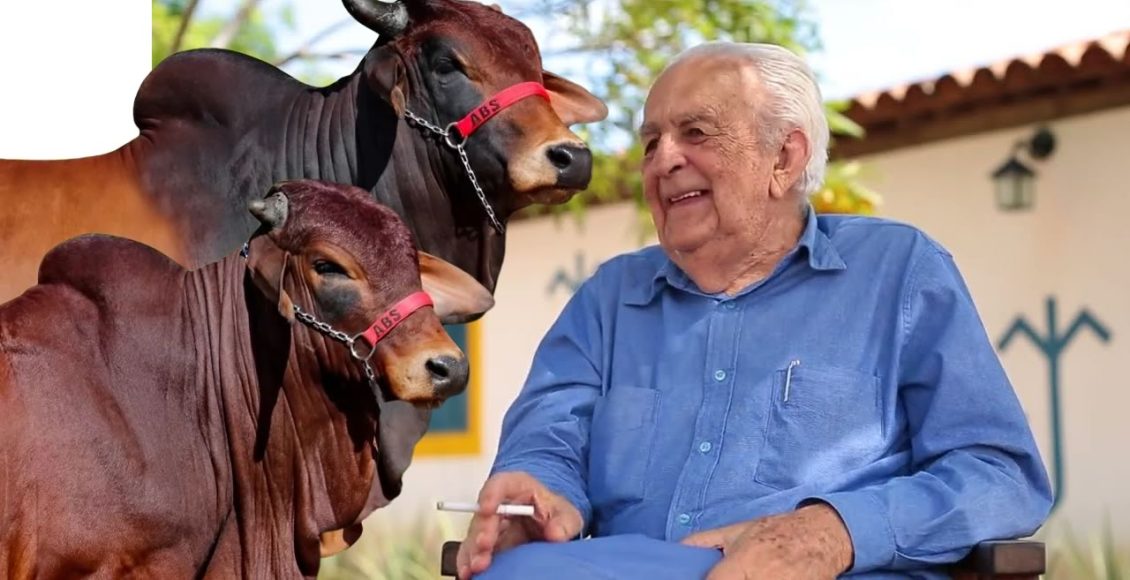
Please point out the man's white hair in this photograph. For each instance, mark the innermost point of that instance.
(793, 100)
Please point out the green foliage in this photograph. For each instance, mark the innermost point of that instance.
(254, 31)
(392, 552)
(631, 41)
(1096, 558)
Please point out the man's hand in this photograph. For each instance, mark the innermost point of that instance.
(810, 542)
(554, 520)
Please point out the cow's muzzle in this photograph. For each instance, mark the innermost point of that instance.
(448, 374)
(573, 164)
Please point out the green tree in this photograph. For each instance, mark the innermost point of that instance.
(244, 26)
(630, 41)
(179, 25)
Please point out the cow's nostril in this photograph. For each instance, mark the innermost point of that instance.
(561, 156)
(573, 163)
(438, 367)
(448, 374)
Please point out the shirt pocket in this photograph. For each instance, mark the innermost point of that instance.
(623, 429)
(831, 423)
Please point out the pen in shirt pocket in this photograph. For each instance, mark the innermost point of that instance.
(789, 377)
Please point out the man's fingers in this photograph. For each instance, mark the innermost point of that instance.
(562, 525)
(517, 488)
(476, 549)
(463, 559)
(715, 538)
(490, 533)
(514, 534)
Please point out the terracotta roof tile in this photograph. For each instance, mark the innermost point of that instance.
(1096, 58)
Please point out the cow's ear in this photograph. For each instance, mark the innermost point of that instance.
(267, 263)
(386, 73)
(572, 102)
(458, 297)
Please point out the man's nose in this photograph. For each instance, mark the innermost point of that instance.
(668, 156)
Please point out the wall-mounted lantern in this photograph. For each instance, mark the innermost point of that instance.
(1015, 182)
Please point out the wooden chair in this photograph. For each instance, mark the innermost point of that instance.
(996, 560)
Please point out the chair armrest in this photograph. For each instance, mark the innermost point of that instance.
(1015, 558)
(447, 565)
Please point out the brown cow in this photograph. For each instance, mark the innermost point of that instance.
(217, 128)
(164, 423)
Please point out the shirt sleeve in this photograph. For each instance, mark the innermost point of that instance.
(545, 432)
(976, 473)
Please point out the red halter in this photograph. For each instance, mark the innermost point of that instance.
(456, 134)
(388, 321)
(493, 106)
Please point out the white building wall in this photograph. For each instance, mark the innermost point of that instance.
(1072, 247)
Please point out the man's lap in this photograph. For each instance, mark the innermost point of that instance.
(623, 557)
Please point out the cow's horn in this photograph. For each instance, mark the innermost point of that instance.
(387, 19)
(271, 211)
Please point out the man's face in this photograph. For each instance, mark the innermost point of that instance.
(705, 172)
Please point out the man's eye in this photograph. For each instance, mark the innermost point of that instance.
(649, 147)
(328, 268)
(695, 133)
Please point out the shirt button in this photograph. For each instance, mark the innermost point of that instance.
(719, 375)
(684, 519)
(705, 447)
(730, 306)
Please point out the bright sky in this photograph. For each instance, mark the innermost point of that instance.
(875, 44)
(870, 44)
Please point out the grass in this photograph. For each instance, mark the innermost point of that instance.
(1091, 558)
(393, 551)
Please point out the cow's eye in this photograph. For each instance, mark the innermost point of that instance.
(447, 65)
(328, 268)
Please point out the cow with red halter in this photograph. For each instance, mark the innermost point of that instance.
(166, 423)
(449, 120)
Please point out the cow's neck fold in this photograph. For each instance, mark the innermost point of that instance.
(319, 138)
(295, 458)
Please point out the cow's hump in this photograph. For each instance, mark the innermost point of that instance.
(211, 87)
(98, 265)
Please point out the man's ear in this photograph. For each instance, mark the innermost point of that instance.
(388, 77)
(792, 160)
(572, 103)
(267, 264)
(458, 297)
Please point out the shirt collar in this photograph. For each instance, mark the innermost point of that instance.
(821, 256)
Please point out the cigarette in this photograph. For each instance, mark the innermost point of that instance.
(506, 509)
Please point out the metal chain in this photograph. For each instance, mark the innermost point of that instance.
(424, 123)
(322, 326)
(338, 335)
(482, 196)
(458, 147)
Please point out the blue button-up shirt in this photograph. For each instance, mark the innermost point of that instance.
(858, 373)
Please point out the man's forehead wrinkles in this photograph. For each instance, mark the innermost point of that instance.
(705, 113)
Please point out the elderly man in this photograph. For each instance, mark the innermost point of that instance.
(769, 393)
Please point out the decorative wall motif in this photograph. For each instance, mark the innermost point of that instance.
(570, 281)
(1053, 346)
